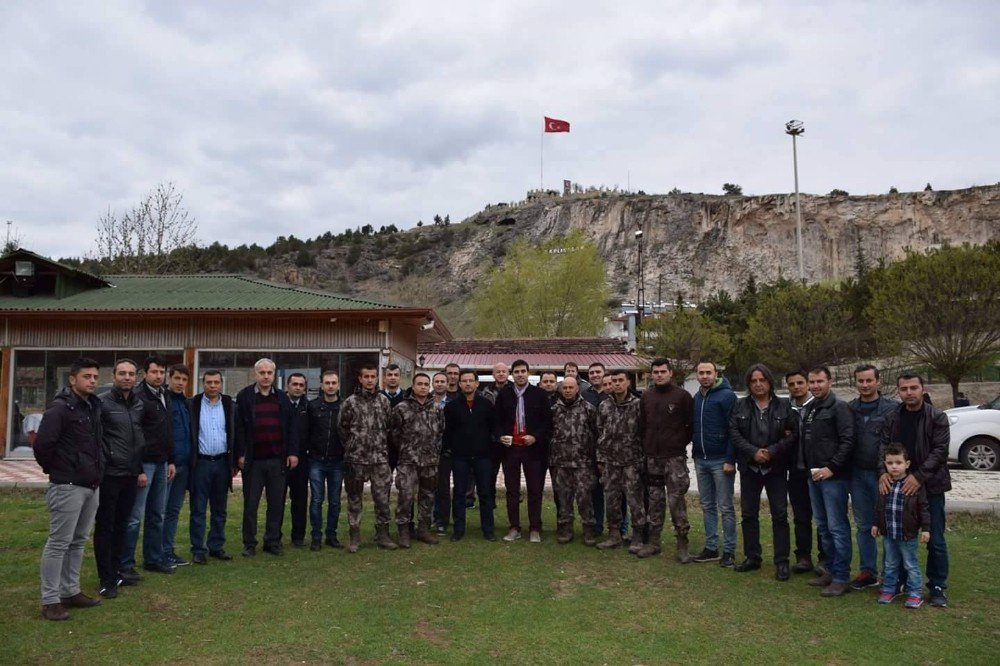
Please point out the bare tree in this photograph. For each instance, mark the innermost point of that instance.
(144, 238)
(15, 239)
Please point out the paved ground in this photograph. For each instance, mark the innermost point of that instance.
(972, 491)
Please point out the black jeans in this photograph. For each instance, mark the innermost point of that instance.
(776, 485)
(464, 469)
(267, 476)
(113, 510)
(798, 497)
(209, 488)
(442, 497)
(297, 482)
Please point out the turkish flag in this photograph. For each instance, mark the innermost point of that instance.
(553, 125)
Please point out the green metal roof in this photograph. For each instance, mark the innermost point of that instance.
(152, 293)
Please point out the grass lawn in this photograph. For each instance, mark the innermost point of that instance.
(476, 602)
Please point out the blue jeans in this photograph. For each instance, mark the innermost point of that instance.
(175, 500)
(210, 485)
(899, 552)
(864, 491)
(937, 549)
(463, 470)
(715, 490)
(326, 479)
(151, 503)
(829, 506)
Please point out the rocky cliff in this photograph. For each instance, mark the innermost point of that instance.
(692, 243)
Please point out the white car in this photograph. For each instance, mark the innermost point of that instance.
(975, 436)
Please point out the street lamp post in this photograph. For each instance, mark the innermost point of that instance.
(640, 296)
(795, 128)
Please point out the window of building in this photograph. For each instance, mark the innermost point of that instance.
(237, 367)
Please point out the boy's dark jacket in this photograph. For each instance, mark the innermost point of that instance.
(916, 514)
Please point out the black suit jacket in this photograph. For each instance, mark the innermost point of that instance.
(537, 412)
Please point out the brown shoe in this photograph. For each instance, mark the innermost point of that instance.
(80, 600)
(683, 556)
(821, 581)
(835, 590)
(424, 534)
(355, 542)
(564, 534)
(382, 539)
(54, 612)
(614, 540)
(589, 538)
(404, 536)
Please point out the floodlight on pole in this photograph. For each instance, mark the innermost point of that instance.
(795, 128)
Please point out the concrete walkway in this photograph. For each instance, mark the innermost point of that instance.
(977, 492)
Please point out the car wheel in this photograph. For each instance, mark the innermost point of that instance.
(981, 454)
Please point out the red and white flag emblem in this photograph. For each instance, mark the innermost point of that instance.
(555, 125)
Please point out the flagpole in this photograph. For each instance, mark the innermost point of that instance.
(541, 160)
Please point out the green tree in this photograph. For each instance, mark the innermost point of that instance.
(799, 326)
(942, 308)
(555, 289)
(685, 337)
(732, 189)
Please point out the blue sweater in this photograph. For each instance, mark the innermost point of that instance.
(711, 422)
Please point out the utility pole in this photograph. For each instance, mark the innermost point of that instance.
(795, 128)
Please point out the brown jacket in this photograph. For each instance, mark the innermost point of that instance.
(916, 514)
(665, 421)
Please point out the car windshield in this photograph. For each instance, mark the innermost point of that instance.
(993, 404)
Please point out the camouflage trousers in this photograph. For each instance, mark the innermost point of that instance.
(624, 480)
(574, 484)
(667, 481)
(415, 481)
(380, 477)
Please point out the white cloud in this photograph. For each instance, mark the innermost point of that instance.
(277, 118)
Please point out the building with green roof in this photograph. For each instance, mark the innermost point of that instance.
(53, 314)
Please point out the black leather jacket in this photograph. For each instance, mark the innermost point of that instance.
(828, 435)
(324, 440)
(68, 446)
(780, 438)
(122, 420)
(157, 426)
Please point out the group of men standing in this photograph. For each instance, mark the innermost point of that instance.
(131, 455)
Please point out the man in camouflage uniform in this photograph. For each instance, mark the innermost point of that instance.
(417, 424)
(665, 413)
(363, 426)
(574, 437)
(619, 459)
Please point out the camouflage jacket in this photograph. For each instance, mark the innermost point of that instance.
(619, 442)
(363, 425)
(574, 434)
(416, 431)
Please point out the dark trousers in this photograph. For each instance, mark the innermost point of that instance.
(529, 458)
(113, 510)
(798, 497)
(297, 488)
(464, 469)
(442, 496)
(209, 489)
(776, 486)
(264, 476)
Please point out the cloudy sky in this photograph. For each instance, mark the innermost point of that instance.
(277, 118)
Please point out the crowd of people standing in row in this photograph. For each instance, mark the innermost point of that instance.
(132, 455)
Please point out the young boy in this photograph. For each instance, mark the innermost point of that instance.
(901, 519)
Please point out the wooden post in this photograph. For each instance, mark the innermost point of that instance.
(5, 375)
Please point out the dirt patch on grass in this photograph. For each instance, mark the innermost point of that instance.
(425, 631)
(161, 603)
(563, 588)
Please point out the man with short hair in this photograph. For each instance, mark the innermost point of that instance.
(798, 483)
(827, 440)
(501, 373)
(180, 417)
(469, 433)
(525, 422)
(297, 480)
(871, 410)
(363, 425)
(452, 371)
(416, 428)
(665, 428)
(595, 395)
(619, 461)
(571, 369)
(267, 447)
(925, 433)
(572, 450)
(442, 494)
(325, 451)
(549, 382)
(122, 419)
(763, 428)
(69, 450)
(392, 377)
(714, 462)
(157, 471)
(213, 466)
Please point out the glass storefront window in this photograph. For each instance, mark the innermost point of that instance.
(237, 367)
(40, 374)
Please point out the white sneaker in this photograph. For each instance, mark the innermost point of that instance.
(513, 535)
(535, 537)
